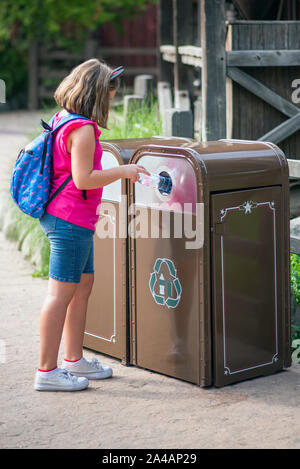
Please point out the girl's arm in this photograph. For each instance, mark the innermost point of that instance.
(81, 145)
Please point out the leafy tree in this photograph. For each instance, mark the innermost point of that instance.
(62, 23)
(45, 19)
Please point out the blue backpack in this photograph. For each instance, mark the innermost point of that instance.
(31, 176)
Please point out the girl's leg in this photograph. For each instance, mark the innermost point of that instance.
(75, 318)
(52, 320)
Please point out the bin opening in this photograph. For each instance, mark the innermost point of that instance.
(165, 184)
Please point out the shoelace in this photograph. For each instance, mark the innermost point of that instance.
(68, 376)
(95, 363)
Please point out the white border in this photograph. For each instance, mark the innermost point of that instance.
(227, 370)
(113, 337)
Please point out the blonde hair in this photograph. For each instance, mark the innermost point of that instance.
(85, 91)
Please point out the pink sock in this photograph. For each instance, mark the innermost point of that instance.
(73, 361)
(47, 371)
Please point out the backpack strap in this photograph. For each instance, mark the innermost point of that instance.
(58, 190)
(52, 129)
(64, 120)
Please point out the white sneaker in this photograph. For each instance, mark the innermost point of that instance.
(91, 369)
(59, 380)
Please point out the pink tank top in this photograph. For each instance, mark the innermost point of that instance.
(70, 204)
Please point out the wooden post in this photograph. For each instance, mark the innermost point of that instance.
(183, 35)
(178, 123)
(164, 14)
(175, 43)
(213, 70)
(2, 92)
(198, 31)
(90, 46)
(33, 82)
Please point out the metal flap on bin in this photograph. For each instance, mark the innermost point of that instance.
(112, 191)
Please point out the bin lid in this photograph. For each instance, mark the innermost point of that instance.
(125, 147)
(227, 164)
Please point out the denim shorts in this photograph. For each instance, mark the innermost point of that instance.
(71, 249)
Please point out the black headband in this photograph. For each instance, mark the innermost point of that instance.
(117, 72)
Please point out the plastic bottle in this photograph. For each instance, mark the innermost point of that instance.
(162, 183)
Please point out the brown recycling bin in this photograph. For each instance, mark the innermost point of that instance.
(210, 283)
(106, 329)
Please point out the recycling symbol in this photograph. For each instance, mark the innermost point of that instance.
(164, 285)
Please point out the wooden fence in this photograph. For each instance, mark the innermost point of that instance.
(263, 65)
(48, 66)
(135, 48)
(248, 71)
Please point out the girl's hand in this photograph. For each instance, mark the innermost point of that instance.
(131, 171)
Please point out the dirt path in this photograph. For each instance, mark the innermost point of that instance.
(136, 408)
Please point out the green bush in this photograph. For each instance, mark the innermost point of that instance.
(295, 276)
(296, 345)
(26, 232)
(295, 285)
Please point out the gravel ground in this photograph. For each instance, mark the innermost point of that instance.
(134, 409)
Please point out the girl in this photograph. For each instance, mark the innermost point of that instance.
(69, 223)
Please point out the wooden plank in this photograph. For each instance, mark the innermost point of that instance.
(169, 58)
(178, 123)
(111, 51)
(90, 46)
(141, 70)
(164, 95)
(175, 43)
(33, 100)
(182, 100)
(197, 40)
(188, 49)
(59, 55)
(262, 91)
(213, 69)
(294, 245)
(167, 49)
(48, 72)
(256, 22)
(294, 168)
(193, 51)
(2, 92)
(185, 22)
(284, 130)
(190, 55)
(229, 88)
(164, 33)
(190, 60)
(47, 92)
(98, 52)
(260, 116)
(260, 58)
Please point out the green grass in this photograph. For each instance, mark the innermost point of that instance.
(26, 232)
(295, 276)
(141, 123)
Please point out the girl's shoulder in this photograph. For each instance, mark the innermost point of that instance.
(61, 138)
(74, 124)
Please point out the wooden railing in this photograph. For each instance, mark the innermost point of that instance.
(51, 64)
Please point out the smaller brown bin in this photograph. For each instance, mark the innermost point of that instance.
(212, 310)
(107, 323)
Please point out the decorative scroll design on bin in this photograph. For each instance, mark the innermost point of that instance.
(164, 297)
(112, 338)
(247, 207)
